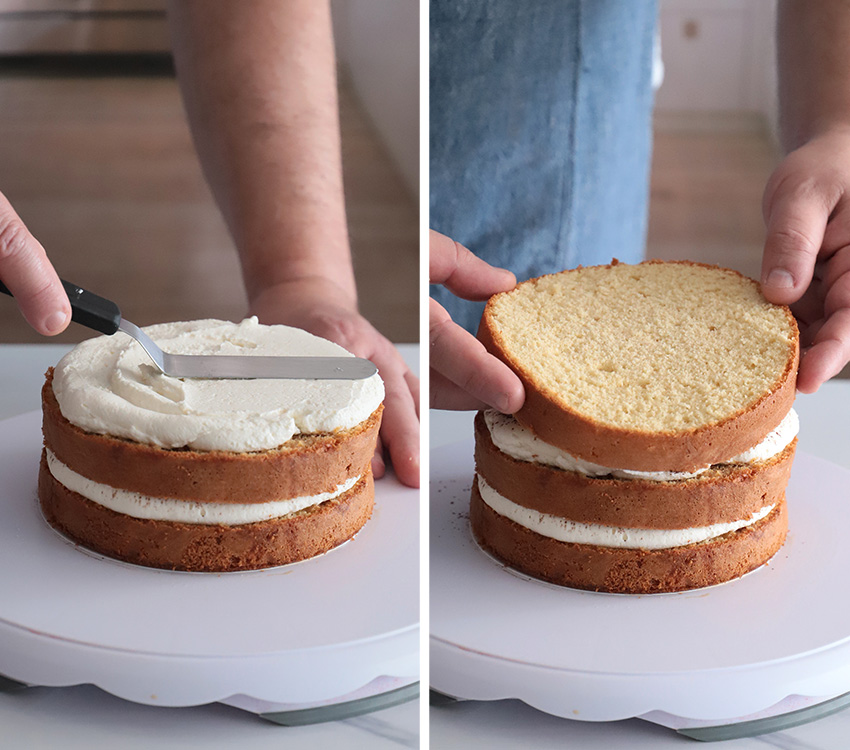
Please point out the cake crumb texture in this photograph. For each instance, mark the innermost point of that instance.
(654, 347)
(658, 366)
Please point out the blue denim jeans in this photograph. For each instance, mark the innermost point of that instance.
(540, 132)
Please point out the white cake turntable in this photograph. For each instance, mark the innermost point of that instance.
(765, 652)
(320, 640)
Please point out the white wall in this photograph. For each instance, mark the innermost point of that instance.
(378, 43)
(719, 62)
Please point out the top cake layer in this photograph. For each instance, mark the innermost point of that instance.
(108, 386)
(659, 366)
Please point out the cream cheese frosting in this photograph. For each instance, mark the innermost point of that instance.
(107, 385)
(510, 437)
(183, 511)
(565, 530)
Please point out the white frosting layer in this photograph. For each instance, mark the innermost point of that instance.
(574, 532)
(183, 511)
(776, 442)
(512, 438)
(107, 385)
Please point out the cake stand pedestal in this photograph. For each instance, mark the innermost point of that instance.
(319, 640)
(751, 650)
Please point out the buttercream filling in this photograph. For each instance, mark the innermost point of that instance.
(137, 505)
(510, 437)
(564, 530)
(107, 385)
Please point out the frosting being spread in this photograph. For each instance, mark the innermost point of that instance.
(184, 511)
(108, 385)
(510, 437)
(564, 530)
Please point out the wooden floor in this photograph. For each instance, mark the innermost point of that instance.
(103, 171)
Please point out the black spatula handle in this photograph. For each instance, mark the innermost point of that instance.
(87, 308)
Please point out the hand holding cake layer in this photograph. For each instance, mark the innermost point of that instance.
(657, 435)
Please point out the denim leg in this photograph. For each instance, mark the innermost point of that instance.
(540, 132)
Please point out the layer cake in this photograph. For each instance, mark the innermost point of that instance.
(657, 435)
(206, 475)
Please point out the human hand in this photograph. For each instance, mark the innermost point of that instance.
(322, 308)
(806, 261)
(463, 374)
(26, 271)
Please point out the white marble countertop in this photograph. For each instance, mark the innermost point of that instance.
(86, 718)
(825, 432)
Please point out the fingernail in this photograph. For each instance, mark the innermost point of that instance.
(779, 278)
(55, 322)
(505, 404)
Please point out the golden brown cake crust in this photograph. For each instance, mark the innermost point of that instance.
(557, 424)
(309, 465)
(625, 571)
(206, 548)
(719, 495)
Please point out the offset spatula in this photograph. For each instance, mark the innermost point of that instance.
(104, 316)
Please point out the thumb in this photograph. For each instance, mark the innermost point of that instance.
(796, 224)
(29, 276)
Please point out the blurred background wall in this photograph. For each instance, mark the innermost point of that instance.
(377, 44)
(716, 138)
(96, 156)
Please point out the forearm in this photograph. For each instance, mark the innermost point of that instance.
(259, 82)
(814, 68)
